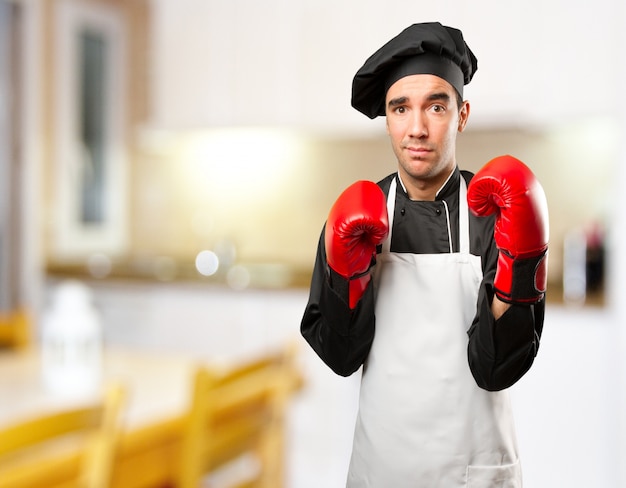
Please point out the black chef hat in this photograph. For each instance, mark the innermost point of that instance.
(427, 48)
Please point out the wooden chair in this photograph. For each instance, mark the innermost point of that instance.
(15, 329)
(36, 445)
(237, 413)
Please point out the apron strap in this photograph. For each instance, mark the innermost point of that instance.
(463, 215)
(464, 246)
(391, 206)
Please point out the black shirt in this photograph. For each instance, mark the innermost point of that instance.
(499, 352)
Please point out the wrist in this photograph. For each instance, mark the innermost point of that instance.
(350, 290)
(521, 279)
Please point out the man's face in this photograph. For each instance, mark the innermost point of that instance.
(423, 119)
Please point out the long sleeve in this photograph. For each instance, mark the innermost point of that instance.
(341, 337)
(501, 351)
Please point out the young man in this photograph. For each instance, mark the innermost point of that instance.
(433, 284)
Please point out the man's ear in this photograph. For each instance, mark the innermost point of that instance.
(463, 115)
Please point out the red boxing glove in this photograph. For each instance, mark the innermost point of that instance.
(357, 223)
(507, 188)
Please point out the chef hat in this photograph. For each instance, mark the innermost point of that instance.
(427, 48)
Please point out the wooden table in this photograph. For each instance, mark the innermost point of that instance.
(158, 394)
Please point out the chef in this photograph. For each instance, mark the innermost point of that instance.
(432, 280)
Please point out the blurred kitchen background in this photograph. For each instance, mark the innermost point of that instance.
(179, 158)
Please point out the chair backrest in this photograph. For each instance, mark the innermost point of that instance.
(239, 412)
(93, 429)
(15, 329)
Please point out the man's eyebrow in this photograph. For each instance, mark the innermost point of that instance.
(395, 102)
(439, 96)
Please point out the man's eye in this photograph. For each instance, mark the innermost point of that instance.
(438, 108)
(400, 110)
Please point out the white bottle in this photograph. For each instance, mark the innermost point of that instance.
(71, 341)
(574, 267)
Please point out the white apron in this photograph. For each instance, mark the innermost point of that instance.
(423, 422)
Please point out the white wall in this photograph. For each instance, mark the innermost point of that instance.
(619, 309)
(617, 299)
(27, 261)
(617, 278)
(280, 62)
(567, 407)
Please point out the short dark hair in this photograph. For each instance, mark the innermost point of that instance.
(459, 100)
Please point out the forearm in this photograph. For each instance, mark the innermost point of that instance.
(502, 350)
(340, 336)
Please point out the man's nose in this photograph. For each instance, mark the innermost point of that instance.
(417, 125)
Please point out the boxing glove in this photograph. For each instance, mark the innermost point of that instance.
(507, 188)
(356, 224)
